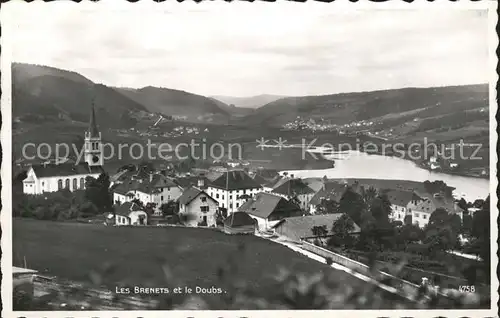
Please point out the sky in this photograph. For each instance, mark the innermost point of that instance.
(247, 49)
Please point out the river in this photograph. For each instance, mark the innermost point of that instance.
(354, 164)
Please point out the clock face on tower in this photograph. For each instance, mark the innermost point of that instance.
(95, 159)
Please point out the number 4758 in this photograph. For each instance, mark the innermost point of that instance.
(467, 289)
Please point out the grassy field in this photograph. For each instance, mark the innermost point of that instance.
(71, 251)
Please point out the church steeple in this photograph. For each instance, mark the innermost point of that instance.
(93, 148)
(93, 131)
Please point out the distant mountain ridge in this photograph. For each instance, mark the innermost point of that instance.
(347, 107)
(41, 93)
(248, 102)
(44, 93)
(177, 103)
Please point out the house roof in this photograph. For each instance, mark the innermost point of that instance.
(293, 187)
(127, 207)
(119, 175)
(239, 218)
(190, 194)
(260, 180)
(264, 204)
(65, 170)
(401, 197)
(301, 226)
(145, 185)
(186, 182)
(314, 183)
(330, 191)
(235, 180)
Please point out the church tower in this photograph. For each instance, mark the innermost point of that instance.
(93, 147)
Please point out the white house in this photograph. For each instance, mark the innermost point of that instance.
(156, 189)
(197, 207)
(51, 177)
(233, 188)
(268, 209)
(400, 201)
(130, 213)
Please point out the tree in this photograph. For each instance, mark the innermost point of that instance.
(352, 204)
(441, 233)
(327, 206)
(319, 231)
(481, 231)
(169, 208)
(462, 204)
(369, 195)
(342, 229)
(381, 209)
(97, 192)
(410, 233)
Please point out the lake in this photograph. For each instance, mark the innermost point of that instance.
(354, 164)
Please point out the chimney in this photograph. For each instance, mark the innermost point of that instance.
(150, 177)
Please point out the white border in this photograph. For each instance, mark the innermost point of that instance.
(8, 25)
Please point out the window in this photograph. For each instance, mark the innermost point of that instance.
(409, 210)
(59, 184)
(417, 215)
(222, 197)
(168, 189)
(424, 216)
(203, 199)
(204, 209)
(161, 198)
(244, 191)
(217, 196)
(43, 183)
(237, 205)
(230, 205)
(67, 184)
(168, 197)
(75, 183)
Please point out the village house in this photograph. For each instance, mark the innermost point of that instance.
(400, 200)
(233, 188)
(129, 213)
(421, 210)
(197, 207)
(292, 187)
(330, 191)
(52, 177)
(156, 189)
(268, 209)
(300, 227)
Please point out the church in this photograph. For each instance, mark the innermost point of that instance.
(51, 177)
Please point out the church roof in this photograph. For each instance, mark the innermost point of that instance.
(94, 132)
(65, 170)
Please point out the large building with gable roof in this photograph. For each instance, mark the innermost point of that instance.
(51, 177)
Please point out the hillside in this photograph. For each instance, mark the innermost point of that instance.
(231, 109)
(177, 103)
(349, 107)
(41, 94)
(248, 102)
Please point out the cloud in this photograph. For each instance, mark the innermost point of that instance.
(246, 50)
